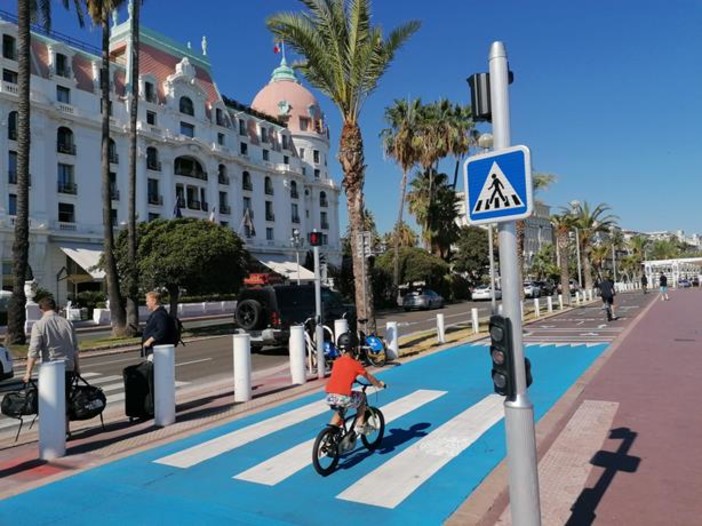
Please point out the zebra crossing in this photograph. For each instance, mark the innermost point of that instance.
(112, 385)
(444, 433)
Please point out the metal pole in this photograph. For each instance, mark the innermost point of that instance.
(319, 330)
(493, 300)
(519, 413)
(297, 260)
(614, 262)
(577, 253)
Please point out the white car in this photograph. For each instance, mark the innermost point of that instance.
(483, 293)
(6, 367)
(531, 290)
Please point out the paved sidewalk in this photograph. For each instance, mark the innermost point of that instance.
(624, 445)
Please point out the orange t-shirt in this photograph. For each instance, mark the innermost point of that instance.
(344, 372)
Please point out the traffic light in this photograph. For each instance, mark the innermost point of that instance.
(315, 238)
(502, 355)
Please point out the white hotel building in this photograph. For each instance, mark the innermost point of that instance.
(260, 169)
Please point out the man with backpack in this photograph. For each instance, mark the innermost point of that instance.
(160, 326)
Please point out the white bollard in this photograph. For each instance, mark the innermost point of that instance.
(319, 342)
(560, 302)
(164, 385)
(242, 367)
(537, 310)
(577, 296)
(440, 330)
(52, 408)
(297, 355)
(392, 339)
(474, 320)
(549, 303)
(521, 308)
(499, 309)
(340, 327)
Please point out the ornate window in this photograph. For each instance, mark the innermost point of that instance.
(186, 106)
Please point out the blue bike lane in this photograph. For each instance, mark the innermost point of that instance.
(444, 435)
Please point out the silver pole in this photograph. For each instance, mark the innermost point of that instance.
(614, 262)
(493, 301)
(319, 329)
(297, 260)
(519, 413)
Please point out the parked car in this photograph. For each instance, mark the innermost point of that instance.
(7, 369)
(424, 299)
(547, 287)
(531, 289)
(266, 313)
(684, 283)
(483, 292)
(573, 285)
(696, 281)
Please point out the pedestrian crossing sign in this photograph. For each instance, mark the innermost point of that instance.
(498, 186)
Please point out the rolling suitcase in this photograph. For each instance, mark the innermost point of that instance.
(139, 390)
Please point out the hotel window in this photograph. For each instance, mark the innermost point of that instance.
(9, 47)
(269, 234)
(66, 179)
(295, 216)
(66, 213)
(268, 186)
(293, 190)
(186, 106)
(152, 192)
(61, 66)
(323, 199)
(114, 192)
(112, 152)
(63, 94)
(242, 127)
(152, 162)
(12, 167)
(219, 117)
(187, 129)
(266, 155)
(12, 204)
(285, 142)
(246, 183)
(316, 173)
(302, 153)
(270, 215)
(264, 135)
(304, 123)
(149, 92)
(220, 139)
(113, 213)
(151, 118)
(244, 148)
(64, 141)
(315, 156)
(12, 126)
(286, 159)
(9, 76)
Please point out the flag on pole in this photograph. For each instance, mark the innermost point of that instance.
(176, 209)
(276, 48)
(212, 214)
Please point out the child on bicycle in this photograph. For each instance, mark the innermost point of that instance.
(339, 387)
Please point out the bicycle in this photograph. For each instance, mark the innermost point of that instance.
(334, 441)
(370, 346)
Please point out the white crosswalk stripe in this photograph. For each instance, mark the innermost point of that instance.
(411, 468)
(286, 464)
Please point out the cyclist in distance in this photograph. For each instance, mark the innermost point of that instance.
(607, 293)
(339, 387)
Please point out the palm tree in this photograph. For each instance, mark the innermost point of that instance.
(27, 12)
(563, 224)
(540, 181)
(99, 11)
(132, 271)
(344, 57)
(401, 142)
(590, 224)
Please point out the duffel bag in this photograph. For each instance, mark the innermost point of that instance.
(85, 401)
(21, 403)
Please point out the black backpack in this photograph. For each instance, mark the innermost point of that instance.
(175, 331)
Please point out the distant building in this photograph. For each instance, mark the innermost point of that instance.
(261, 170)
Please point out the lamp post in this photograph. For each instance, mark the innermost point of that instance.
(614, 255)
(485, 143)
(575, 204)
(297, 243)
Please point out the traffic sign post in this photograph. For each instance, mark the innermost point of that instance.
(508, 165)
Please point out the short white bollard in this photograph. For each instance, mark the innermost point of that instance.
(549, 303)
(297, 355)
(319, 342)
(392, 339)
(560, 301)
(242, 368)
(474, 320)
(590, 295)
(52, 408)
(521, 308)
(340, 327)
(499, 309)
(577, 296)
(164, 385)
(440, 330)
(537, 309)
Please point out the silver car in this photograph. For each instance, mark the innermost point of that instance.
(483, 293)
(422, 299)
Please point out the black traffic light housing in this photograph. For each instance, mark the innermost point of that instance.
(315, 239)
(480, 102)
(502, 355)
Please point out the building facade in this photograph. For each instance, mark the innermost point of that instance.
(259, 169)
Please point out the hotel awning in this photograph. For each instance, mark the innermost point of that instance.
(86, 256)
(287, 269)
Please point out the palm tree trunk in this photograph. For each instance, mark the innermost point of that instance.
(587, 269)
(132, 268)
(353, 165)
(396, 259)
(16, 315)
(563, 265)
(112, 280)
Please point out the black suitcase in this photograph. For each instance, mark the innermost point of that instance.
(139, 390)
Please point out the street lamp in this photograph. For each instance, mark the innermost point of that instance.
(485, 143)
(614, 255)
(575, 205)
(296, 243)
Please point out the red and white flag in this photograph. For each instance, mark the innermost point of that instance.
(276, 47)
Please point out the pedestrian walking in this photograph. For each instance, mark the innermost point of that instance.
(644, 283)
(663, 283)
(53, 338)
(158, 326)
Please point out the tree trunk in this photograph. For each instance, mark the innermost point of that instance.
(111, 278)
(352, 164)
(520, 229)
(133, 100)
(563, 265)
(16, 314)
(396, 259)
(587, 269)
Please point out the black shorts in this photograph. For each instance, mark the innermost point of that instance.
(608, 299)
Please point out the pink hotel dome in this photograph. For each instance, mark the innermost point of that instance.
(285, 98)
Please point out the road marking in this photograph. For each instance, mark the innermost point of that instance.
(411, 468)
(194, 361)
(286, 464)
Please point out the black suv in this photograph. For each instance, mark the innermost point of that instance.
(266, 313)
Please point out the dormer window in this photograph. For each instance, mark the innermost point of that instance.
(242, 127)
(285, 142)
(219, 117)
(149, 92)
(264, 135)
(186, 106)
(304, 123)
(62, 66)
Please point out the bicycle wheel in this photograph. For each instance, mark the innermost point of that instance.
(375, 424)
(325, 452)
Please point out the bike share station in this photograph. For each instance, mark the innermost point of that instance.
(499, 189)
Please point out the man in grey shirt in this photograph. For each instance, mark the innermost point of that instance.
(53, 338)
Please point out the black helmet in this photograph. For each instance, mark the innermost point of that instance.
(345, 341)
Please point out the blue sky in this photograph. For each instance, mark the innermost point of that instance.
(606, 94)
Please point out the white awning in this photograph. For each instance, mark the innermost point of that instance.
(287, 269)
(86, 256)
